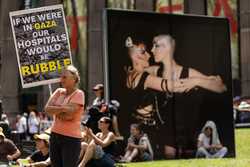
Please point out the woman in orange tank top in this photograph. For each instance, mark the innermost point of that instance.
(66, 105)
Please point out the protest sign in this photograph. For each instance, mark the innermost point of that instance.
(42, 44)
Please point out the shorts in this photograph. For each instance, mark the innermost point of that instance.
(98, 152)
(146, 157)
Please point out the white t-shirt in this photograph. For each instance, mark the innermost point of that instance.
(97, 101)
(21, 125)
(204, 140)
(33, 125)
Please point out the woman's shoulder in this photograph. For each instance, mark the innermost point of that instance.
(132, 79)
(60, 90)
(152, 69)
(79, 91)
(112, 136)
(111, 133)
(137, 79)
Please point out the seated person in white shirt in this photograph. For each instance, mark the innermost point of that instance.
(99, 93)
(209, 145)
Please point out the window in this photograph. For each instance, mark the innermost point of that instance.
(228, 8)
(170, 6)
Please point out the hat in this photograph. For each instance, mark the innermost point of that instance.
(48, 131)
(42, 136)
(115, 103)
(243, 105)
(4, 116)
(1, 132)
(98, 87)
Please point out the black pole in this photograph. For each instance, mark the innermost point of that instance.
(1, 109)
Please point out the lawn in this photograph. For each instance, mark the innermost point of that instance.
(242, 156)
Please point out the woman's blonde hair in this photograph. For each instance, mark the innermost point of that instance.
(73, 70)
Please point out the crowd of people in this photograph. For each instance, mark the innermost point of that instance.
(98, 150)
(26, 125)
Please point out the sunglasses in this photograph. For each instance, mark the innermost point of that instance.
(101, 121)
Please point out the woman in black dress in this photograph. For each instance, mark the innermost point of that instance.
(181, 114)
(143, 84)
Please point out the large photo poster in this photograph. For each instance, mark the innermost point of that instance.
(172, 77)
(41, 43)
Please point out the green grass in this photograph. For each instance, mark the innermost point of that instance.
(242, 156)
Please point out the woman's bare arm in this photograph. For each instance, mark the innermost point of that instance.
(69, 109)
(197, 79)
(105, 142)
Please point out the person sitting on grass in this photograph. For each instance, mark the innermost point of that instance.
(139, 147)
(100, 151)
(8, 150)
(209, 145)
(40, 158)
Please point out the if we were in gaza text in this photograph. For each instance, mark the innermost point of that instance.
(41, 42)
